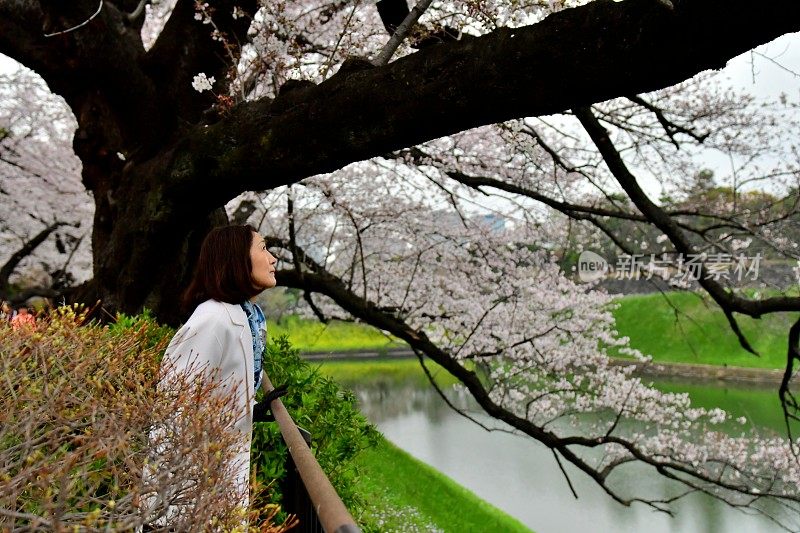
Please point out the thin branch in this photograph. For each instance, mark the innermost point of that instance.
(82, 24)
(669, 126)
(743, 342)
(788, 400)
(401, 33)
(317, 311)
(441, 393)
(566, 476)
(292, 234)
(329, 63)
(779, 65)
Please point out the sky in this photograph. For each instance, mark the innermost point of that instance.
(769, 69)
(766, 72)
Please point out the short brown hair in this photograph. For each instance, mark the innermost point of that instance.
(224, 269)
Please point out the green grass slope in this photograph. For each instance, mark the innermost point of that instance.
(391, 371)
(408, 495)
(686, 328)
(309, 335)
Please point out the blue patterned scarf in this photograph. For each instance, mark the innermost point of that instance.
(258, 329)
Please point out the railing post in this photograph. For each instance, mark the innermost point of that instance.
(325, 502)
(295, 496)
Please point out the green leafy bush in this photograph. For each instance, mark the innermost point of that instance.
(144, 324)
(317, 403)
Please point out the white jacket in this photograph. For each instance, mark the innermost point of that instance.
(217, 336)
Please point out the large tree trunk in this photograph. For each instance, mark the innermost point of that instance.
(146, 239)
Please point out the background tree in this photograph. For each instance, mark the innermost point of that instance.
(44, 233)
(369, 175)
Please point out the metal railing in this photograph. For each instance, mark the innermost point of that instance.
(308, 493)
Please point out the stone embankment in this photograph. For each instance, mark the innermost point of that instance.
(683, 371)
(733, 374)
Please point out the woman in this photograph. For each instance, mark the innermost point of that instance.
(225, 334)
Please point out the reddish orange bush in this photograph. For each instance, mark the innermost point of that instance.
(79, 419)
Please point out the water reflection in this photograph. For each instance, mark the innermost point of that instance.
(522, 478)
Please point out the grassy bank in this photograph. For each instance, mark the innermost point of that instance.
(405, 494)
(408, 495)
(377, 372)
(675, 327)
(686, 328)
(313, 336)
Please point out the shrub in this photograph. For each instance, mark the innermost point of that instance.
(76, 415)
(77, 419)
(338, 430)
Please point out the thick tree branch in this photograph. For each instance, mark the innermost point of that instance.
(101, 68)
(95, 68)
(617, 48)
(24, 251)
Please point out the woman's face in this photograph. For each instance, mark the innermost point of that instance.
(263, 263)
